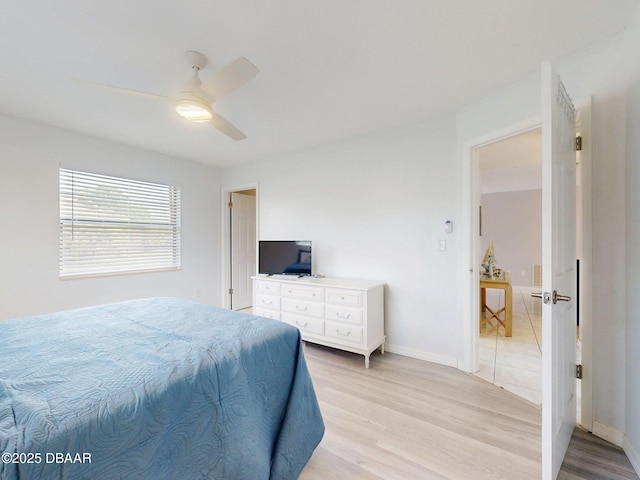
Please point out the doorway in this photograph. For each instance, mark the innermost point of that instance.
(473, 253)
(239, 246)
(510, 179)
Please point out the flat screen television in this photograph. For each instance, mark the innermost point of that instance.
(284, 257)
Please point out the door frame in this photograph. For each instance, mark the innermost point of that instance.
(225, 231)
(471, 256)
(585, 237)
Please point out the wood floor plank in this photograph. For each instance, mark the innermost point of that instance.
(325, 465)
(591, 457)
(408, 419)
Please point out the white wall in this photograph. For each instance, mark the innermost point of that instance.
(30, 155)
(632, 261)
(513, 221)
(375, 208)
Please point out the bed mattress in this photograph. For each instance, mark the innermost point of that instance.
(158, 388)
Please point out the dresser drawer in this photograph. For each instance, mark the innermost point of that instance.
(267, 287)
(267, 301)
(342, 314)
(344, 297)
(304, 324)
(343, 332)
(265, 312)
(303, 291)
(303, 307)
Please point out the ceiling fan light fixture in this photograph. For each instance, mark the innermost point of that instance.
(194, 110)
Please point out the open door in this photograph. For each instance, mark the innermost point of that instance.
(243, 248)
(558, 272)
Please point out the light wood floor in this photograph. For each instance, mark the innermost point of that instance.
(408, 419)
(591, 457)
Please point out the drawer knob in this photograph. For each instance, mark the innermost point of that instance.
(346, 317)
(267, 302)
(343, 334)
(301, 309)
(305, 324)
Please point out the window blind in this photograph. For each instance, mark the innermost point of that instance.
(112, 225)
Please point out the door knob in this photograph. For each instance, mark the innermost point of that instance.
(560, 298)
(548, 297)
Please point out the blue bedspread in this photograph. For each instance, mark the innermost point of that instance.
(157, 388)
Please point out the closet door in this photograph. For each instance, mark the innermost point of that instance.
(243, 249)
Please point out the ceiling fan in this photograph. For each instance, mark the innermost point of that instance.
(195, 99)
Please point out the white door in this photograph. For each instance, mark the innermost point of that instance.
(558, 271)
(243, 249)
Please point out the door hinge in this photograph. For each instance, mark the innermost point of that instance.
(578, 143)
(230, 204)
(579, 372)
(231, 291)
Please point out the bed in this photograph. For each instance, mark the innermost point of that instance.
(157, 388)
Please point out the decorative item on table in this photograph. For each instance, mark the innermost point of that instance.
(489, 265)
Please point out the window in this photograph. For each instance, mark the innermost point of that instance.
(112, 225)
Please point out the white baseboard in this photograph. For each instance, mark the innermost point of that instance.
(632, 454)
(608, 433)
(421, 355)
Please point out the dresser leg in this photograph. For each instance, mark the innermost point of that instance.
(366, 361)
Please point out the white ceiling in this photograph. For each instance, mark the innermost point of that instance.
(329, 69)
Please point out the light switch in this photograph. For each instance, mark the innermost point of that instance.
(442, 245)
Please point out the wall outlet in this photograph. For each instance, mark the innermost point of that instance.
(442, 245)
(198, 293)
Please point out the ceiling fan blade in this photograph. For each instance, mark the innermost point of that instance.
(125, 90)
(227, 79)
(226, 127)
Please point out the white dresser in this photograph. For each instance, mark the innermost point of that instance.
(341, 313)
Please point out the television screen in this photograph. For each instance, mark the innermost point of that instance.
(284, 257)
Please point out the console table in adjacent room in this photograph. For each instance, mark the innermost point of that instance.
(347, 314)
(507, 309)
